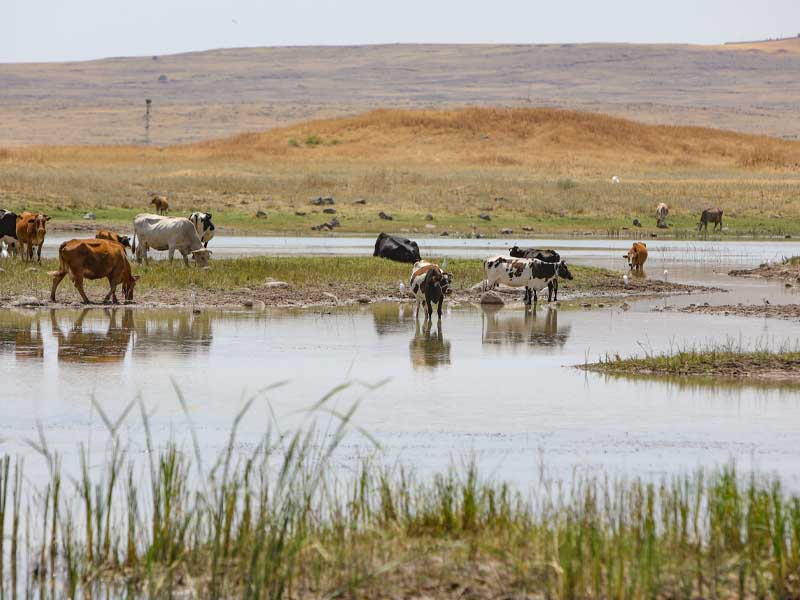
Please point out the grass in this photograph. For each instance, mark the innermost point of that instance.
(366, 274)
(281, 522)
(544, 169)
(724, 360)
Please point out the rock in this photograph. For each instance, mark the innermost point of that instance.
(787, 237)
(526, 228)
(323, 201)
(625, 306)
(478, 236)
(31, 270)
(429, 217)
(261, 214)
(276, 284)
(300, 213)
(385, 216)
(359, 201)
(196, 311)
(89, 216)
(363, 300)
(637, 223)
(506, 231)
(334, 222)
(329, 211)
(586, 305)
(491, 298)
(485, 216)
(247, 303)
(26, 301)
(430, 226)
(444, 234)
(653, 234)
(787, 284)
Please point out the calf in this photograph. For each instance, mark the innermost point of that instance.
(31, 229)
(710, 215)
(430, 284)
(94, 259)
(636, 256)
(550, 256)
(530, 273)
(8, 229)
(204, 226)
(105, 234)
(662, 210)
(160, 203)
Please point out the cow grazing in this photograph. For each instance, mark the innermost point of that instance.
(550, 256)
(430, 284)
(160, 203)
(203, 226)
(530, 273)
(105, 234)
(636, 256)
(94, 259)
(662, 210)
(31, 229)
(168, 233)
(8, 230)
(710, 215)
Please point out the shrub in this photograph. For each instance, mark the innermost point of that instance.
(313, 140)
(294, 143)
(566, 183)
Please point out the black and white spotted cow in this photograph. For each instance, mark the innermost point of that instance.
(430, 284)
(530, 273)
(8, 230)
(205, 228)
(549, 256)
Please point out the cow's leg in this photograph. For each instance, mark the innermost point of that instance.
(535, 298)
(112, 292)
(549, 291)
(419, 303)
(77, 279)
(39, 257)
(205, 244)
(57, 277)
(428, 310)
(555, 290)
(185, 255)
(439, 309)
(171, 253)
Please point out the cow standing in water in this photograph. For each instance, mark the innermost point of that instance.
(532, 274)
(636, 256)
(710, 215)
(430, 284)
(549, 256)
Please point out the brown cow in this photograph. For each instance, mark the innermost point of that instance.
(636, 256)
(161, 204)
(710, 215)
(31, 229)
(94, 259)
(105, 234)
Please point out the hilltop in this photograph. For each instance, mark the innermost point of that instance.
(203, 95)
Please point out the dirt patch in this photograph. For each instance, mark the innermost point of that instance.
(780, 311)
(788, 271)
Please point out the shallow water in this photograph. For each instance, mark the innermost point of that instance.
(494, 385)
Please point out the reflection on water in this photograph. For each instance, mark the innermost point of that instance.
(390, 318)
(173, 331)
(109, 343)
(21, 333)
(428, 349)
(531, 327)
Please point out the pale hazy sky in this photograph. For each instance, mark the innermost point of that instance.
(48, 30)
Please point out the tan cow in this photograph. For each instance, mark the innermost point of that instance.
(161, 204)
(636, 256)
(662, 210)
(94, 259)
(31, 229)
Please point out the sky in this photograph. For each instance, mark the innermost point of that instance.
(58, 30)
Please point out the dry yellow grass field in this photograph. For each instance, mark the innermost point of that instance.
(546, 169)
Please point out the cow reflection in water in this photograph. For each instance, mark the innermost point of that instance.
(22, 331)
(532, 328)
(105, 344)
(428, 349)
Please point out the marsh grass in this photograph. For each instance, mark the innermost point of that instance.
(281, 521)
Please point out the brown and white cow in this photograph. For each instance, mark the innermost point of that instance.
(160, 203)
(636, 256)
(31, 229)
(430, 284)
(530, 273)
(94, 259)
(662, 210)
(710, 215)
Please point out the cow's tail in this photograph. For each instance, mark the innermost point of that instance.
(486, 275)
(62, 264)
(133, 246)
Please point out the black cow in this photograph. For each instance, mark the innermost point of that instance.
(710, 215)
(548, 256)
(8, 228)
(435, 287)
(396, 248)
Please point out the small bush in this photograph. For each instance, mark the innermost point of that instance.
(294, 143)
(313, 140)
(566, 183)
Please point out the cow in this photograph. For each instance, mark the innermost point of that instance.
(31, 229)
(160, 203)
(168, 233)
(396, 248)
(203, 226)
(94, 259)
(710, 215)
(550, 256)
(8, 230)
(530, 273)
(105, 234)
(662, 210)
(636, 256)
(430, 284)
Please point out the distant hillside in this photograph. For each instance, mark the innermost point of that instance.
(749, 88)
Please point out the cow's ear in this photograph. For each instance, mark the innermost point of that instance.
(209, 216)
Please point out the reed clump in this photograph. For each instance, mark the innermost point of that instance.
(282, 522)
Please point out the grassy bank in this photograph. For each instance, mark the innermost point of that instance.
(278, 522)
(546, 170)
(309, 279)
(723, 361)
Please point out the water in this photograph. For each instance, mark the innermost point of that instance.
(494, 385)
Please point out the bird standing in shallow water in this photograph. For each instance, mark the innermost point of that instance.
(625, 280)
(402, 288)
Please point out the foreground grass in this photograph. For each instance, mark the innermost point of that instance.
(278, 522)
(726, 360)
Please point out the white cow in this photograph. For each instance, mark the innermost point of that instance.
(168, 233)
(662, 210)
(530, 273)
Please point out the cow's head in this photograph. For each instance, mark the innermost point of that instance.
(201, 256)
(516, 252)
(127, 287)
(629, 257)
(124, 240)
(447, 282)
(563, 271)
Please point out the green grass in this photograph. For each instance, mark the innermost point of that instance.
(281, 522)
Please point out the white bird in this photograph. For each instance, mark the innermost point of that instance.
(666, 273)
(615, 179)
(3, 252)
(444, 264)
(402, 288)
(625, 280)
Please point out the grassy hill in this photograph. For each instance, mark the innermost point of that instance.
(749, 88)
